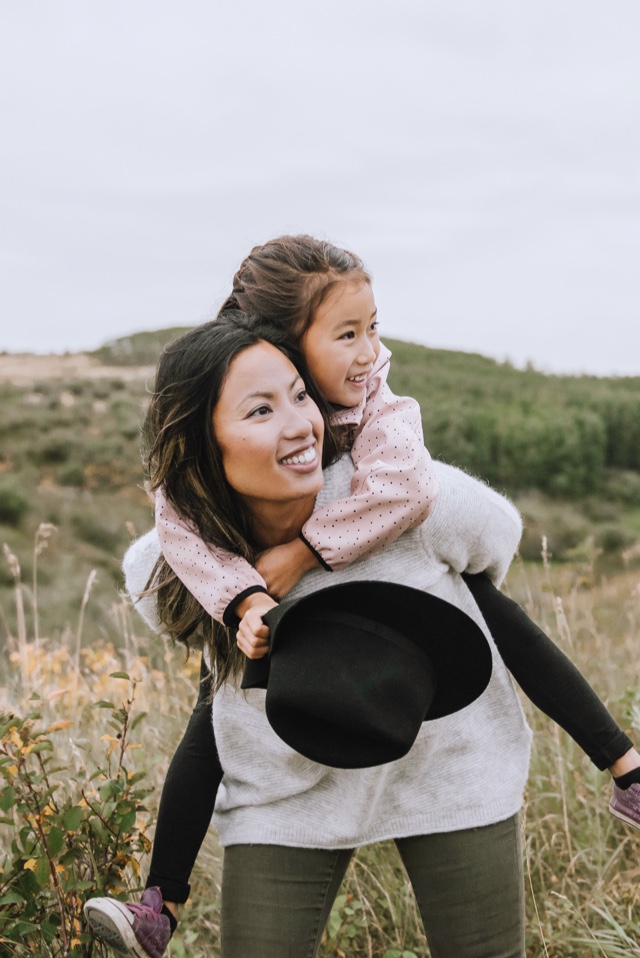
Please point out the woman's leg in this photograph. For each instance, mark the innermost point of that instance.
(187, 801)
(549, 678)
(276, 900)
(469, 886)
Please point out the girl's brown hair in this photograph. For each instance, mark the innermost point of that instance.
(285, 280)
(183, 456)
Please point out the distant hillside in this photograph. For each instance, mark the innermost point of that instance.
(139, 349)
(517, 428)
(566, 448)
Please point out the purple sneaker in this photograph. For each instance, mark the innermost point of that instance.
(137, 929)
(625, 804)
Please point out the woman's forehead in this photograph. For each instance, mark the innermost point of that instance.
(259, 367)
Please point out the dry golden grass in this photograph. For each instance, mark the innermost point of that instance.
(582, 867)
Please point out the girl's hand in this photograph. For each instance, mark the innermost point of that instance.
(253, 634)
(282, 566)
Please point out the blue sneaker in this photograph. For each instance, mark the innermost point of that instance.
(625, 804)
(136, 929)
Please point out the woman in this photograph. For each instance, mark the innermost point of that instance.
(231, 414)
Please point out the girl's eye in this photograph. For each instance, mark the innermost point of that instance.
(302, 395)
(260, 411)
(349, 335)
(374, 325)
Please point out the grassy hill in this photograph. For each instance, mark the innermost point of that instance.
(567, 448)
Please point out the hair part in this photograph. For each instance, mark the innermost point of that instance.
(287, 279)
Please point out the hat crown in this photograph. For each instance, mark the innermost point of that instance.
(355, 669)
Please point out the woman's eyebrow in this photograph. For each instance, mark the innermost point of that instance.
(267, 394)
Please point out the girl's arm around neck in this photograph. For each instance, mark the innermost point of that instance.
(394, 484)
(215, 577)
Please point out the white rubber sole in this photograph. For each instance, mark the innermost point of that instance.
(112, 922)
(623, 817)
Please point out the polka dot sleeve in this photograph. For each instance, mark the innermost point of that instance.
(212, 575)
(394, 485)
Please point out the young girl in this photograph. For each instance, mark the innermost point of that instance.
(322, 297)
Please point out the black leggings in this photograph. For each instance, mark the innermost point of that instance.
(545, 674)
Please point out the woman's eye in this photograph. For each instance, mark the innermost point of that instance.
(349, 335)
(374, 325)
(302, 395)
(260, 411)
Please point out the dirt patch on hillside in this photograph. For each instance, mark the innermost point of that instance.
(23, 369)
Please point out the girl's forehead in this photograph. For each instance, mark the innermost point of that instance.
(349, 296)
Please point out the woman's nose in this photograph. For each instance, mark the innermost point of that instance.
(298, 424)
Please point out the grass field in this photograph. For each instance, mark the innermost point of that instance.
(581, 864)
(79, 785)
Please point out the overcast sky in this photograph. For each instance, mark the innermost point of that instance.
(483, 159)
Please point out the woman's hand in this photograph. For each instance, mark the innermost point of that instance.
(253, 634)
(282, 566)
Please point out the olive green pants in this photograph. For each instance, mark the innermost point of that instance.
(468, 884)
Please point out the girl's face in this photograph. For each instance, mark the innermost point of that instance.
(342, 343)
(268, 429)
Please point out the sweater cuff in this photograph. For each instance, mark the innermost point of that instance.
(229, 618)
(325, 565)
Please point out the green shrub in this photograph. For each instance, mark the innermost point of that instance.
(13, 505)
(72, 839)
(71, 474)
(613, 538)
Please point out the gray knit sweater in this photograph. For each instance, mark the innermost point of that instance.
(463, 771)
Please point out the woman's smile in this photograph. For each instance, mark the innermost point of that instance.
(307, 459)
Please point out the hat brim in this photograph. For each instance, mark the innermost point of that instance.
(456, 645)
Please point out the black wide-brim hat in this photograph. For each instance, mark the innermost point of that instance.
(354, 670)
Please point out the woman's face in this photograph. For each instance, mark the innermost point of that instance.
(268, 429)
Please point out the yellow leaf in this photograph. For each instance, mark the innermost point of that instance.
(31, 864)
(63, 723)
(12, 769)
(134, 746)
(108, 738)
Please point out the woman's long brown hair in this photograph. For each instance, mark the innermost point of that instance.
(182, 455)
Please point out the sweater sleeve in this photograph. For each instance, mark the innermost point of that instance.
(218, 579)
(394, 483)
(472, 528)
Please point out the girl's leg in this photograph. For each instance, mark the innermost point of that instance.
(550, 679)
(469, 886)
(187, 800)
(276, 900)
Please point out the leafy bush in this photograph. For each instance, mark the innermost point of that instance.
(13, 505)
(72, 839)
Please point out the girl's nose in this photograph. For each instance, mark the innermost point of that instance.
(367, 352)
